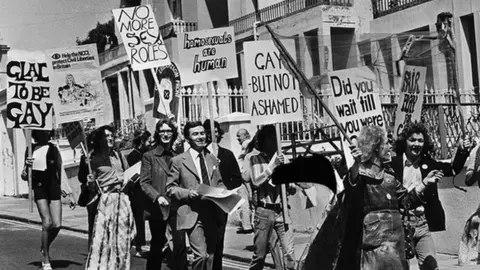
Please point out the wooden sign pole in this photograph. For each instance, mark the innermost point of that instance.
(28, 134)
(283, 188)
(212, 124)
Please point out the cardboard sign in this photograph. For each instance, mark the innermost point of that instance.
(356, 102)
(141, 37)
(75, 133)
(409, 107)
(165, 100)
(273, 93)
(76, 82)
(29, 103)
(207, 55)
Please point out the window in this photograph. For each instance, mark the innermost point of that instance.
(176, 8)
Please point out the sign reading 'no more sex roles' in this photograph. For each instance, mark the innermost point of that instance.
(409, 107)
(29, 104)
(207, 55)
(141, 37)
(273, 93)
(76, 83)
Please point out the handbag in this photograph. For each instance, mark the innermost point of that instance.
(88, 195)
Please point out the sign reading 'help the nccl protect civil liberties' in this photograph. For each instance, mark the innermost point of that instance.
(273, 93)
(141, 37)
(29, 104)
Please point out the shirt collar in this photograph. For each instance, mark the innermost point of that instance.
(194, 152)
(408, 163)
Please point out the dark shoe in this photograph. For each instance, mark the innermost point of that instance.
(242, 231)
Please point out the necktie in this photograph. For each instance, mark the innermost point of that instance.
(203, 169)
(414, 164)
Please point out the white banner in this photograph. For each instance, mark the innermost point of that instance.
(77, 89)
(207, 55)
(29, 102)
(409, 108)
(273, 93)
(141, 37)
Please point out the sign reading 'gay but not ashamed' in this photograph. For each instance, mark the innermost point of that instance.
(29, 105)
(141, 37)
(273, 93)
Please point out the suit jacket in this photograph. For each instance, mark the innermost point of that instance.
(153, 179)
(182, 178)
(229, 169)
(434, 212)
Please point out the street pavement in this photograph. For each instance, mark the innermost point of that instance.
(20, 245)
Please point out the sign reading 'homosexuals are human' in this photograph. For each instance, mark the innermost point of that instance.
(76, 83)
(409, 107)
(29, 105)
(273, 93)
(141, 37)
(207, 55)
(354, 100)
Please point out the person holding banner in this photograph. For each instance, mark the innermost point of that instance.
(46, 164)
(268, 213)
(114, 225)
(412, 164)
(200, 219)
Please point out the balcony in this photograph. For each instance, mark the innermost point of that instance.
(385, 7)
(172, 28)
(282, 10)
(112, 54)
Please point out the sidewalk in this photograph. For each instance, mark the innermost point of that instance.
(237, 247)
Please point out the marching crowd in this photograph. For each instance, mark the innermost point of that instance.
(388, 200)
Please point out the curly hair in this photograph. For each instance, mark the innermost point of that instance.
(408, 130)
(156, 135)
(372, 140)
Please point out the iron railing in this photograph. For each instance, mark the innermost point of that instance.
(281, 10)
(112, 54)
(384, 7)
(172, 28)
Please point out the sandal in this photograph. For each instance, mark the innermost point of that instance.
(46, 266)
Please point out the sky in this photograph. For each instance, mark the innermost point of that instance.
(48, 24)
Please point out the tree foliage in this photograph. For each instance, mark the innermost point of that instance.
(102, 35)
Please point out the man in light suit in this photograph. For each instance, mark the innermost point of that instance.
(199, 218)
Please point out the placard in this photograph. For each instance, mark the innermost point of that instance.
(77, 89)
(75, 133)
(207, 55)
(273, 93)
(165, 99)
(409, 108)
(29, 103)
(141, 37)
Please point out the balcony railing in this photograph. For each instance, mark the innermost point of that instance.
(281, 10)
(172, 28)
(384, 7)
(112, 54)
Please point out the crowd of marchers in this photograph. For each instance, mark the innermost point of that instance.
(386, 207)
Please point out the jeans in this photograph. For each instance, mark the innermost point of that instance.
(244, 211)
(157, 229)
(425, 248)
(265, 222)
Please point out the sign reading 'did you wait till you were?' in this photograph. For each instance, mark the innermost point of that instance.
(141, 37)
(273, 93)
(409, 107)
(76, 83)
(207, 55)
(29, 104)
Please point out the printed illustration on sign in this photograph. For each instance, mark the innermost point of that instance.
(141, 37)
(76, 82)
(409, 108)
(166, 98)
(207, 55)
(29, 104)
(274, 94)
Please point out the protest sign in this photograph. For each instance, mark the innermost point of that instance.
(141, 37)
(273, 93)
(207, 55)
(166, 101)
(355, 102)
(29, 104)
(75, 133)
(409, 108)
(77, 90)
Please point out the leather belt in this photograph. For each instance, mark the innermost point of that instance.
(277, 207)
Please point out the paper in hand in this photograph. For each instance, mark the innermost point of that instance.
(40, 158)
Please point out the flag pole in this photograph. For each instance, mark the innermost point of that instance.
(28, 134)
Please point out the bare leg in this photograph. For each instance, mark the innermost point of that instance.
(44, 211)
(56, 215)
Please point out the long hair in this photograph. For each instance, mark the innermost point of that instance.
(264, 134)
(98, 140)
(253, 144)
(156, 135)
(372, 140)
(140, 136)
(408, 130)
